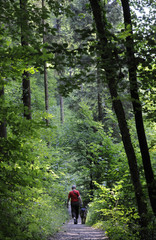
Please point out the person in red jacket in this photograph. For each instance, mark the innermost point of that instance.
(76, 201)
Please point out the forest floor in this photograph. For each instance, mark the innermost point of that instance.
(71, 231)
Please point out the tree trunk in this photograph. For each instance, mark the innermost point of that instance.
(91, 185)
(132, 161)
(109, 64)
(61, 110)
(58, 27)
(25, 76)
(45, 74)
(46, 91)
(26, 95)
(3, 130)
(99, 89)
(151, 183)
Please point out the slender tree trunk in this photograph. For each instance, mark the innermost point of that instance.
(3, 130)
(132, 161)
(61, 110)
(45, 73)
(46, 91)
(26, 95)
(151, 183)
(99, 89)
(109, 64)
(25, 76)
(91, 185)
(58, 27)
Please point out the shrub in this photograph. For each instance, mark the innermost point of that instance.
(107, 212)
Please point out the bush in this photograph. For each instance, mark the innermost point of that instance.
(30, 214)
(32, 198)
(107, 212)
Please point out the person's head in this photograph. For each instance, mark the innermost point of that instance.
(73, 187)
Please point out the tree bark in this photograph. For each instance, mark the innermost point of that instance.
(109, 64)
(91, 185)
(61, 110)
(99, 89)
(46, 91)
(3, 130)
(137, 108)
(25, 76)
(58, 27)
(26, 95)
(45, 72)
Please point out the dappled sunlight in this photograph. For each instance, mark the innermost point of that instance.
(77, 112)
(79, 232)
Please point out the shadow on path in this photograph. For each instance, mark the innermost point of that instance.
(79, 231)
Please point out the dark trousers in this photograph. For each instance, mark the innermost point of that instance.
(75, 209)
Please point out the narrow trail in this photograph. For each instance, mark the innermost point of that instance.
(71, 231)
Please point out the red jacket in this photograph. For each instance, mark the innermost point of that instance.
(74, 195)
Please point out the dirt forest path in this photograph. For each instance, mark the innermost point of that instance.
(79, 231)
(71, 231)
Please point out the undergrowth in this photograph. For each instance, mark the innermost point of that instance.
(108, 212)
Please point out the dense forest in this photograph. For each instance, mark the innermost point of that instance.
(77, 106)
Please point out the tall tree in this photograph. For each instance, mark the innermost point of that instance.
(99, 93)
(61, 109)
(137, 108)
(60, 72)
(24, 42)
(45, 69)
(3, 130)
(109, 64)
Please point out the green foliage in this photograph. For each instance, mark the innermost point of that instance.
(144, 29)
(38, 163)
(32, 201)
(32, 197)
(29, 213)
(37, 88)
(90, 153)
(108, 212)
